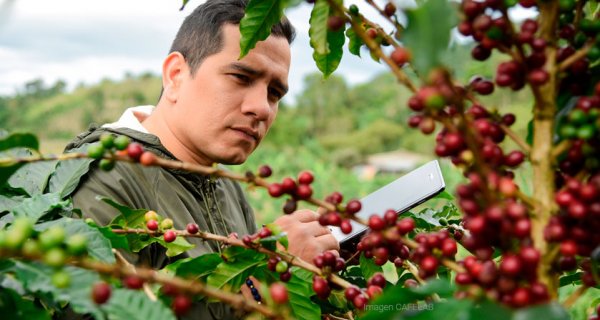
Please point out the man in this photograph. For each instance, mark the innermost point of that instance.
(214, 109)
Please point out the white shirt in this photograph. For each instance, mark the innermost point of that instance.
(132, 118)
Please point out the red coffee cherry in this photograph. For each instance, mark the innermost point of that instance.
(169, 236)
(510, 265)
(181, 304)
(400, 56)
(374, 291)
(135, 150)
(279, 293)
(192, 228)
(353, 206)
(360, 301)
(346, 226)
(351, 292)
(275, 190)
(289, 185)
(377, 280)
(321, 287)
(405, 225)
(147, 158)
(101, 292)
(264, 171)
(389, 9)
(152, 225)
(305, 177)
(335, 23)
(133, 282)
(304, 191)
(376, 223)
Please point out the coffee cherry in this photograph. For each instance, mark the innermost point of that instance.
(510, 265)
(321, 287)
(335, 23)
(480, 53)
(152, 225)
(278, 293)
(181, 304)
(281, 267)
(463, 279)
(95, 151)
(77, 244)
(390, 217)
(346, 226)
(101, 292)
(147, 158)
(514, 158)
(121, 142)
(133, 282)
(264, 171)
(449, 248)
(264, 232)
(304, 191)
(106, 164)
(289, 185)
(150, 215)
(305, 177)
(107, 140)
(290, 206)
(372, 33)
(351, 292)
(389, 9)
(169, 236)
(538, 77)
(374, 291)
(353, 206)
(568, 248)
(52, 237)
(405, 225)
(376, 223)
(166, 224)
(135, 150)
(521, 297)
(285, 276)
(400, 56)
(275, 190)
(61, 279)
(429, 265)
(377, 280)
(192, 228)
(353, 9)
(360, 301)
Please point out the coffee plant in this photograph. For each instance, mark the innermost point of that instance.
(496, 249)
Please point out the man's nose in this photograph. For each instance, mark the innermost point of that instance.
(256, 103)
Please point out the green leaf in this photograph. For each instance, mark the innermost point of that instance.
(230, 275)
(196, 268)
(183, 4)
(551, 311)
(8, 203)
(129, 218)
(40, 204)
(354, 42)
(591, 297)
(117, 241)
(135, 305)
(134, 218)
(318, 27)
(368, 267)
(256, 24)
(451, 309)
(98, 246)
(7, 170)
(570, 279)
(490, 311)
(428, 33)
(299, 291)
(19, 140)
(36, 277)
(14, 306)
(33, 177)
(329, 62)
(67, 175)
(442, 287)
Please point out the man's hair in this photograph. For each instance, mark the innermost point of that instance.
(201, 33)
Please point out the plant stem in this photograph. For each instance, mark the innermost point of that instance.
(541, 153)
(574, 296)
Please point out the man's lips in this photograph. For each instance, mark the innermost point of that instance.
(251, 133)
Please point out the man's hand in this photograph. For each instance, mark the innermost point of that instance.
(306, 237)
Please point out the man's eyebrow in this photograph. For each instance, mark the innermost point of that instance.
(253, 72)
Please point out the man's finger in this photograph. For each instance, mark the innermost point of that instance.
(306, 215)
(328, 242)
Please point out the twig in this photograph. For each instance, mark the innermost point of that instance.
(574, 296)
(121, 260)
(415, 272)
(516, 138)
(565, 64)
(561, 147)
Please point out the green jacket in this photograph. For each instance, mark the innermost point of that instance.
(218, 205)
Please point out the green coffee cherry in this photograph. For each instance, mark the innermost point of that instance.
(107, 140)
(95, 151)
(61, 279)
(55, 257)
(106, 164)
(121, 142)
(281, 267)
(31, 248)
(166, 224)
(77, 244)
(21, 230)
(52, 237)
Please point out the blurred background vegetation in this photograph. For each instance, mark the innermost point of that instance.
(331, 127)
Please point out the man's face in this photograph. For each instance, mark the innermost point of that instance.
(223, 112)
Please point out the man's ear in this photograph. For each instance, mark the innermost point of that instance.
(173, 71)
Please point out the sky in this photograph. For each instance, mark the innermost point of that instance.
(86, 41)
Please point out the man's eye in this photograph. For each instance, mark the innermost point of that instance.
(241, 77)
(275, 94)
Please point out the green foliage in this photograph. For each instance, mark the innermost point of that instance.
(327, 44)
(428, 33)
(257, 22)
(128, 304)
(236, 268)
(300, 290)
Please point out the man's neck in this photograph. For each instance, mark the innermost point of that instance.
(157, 125)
